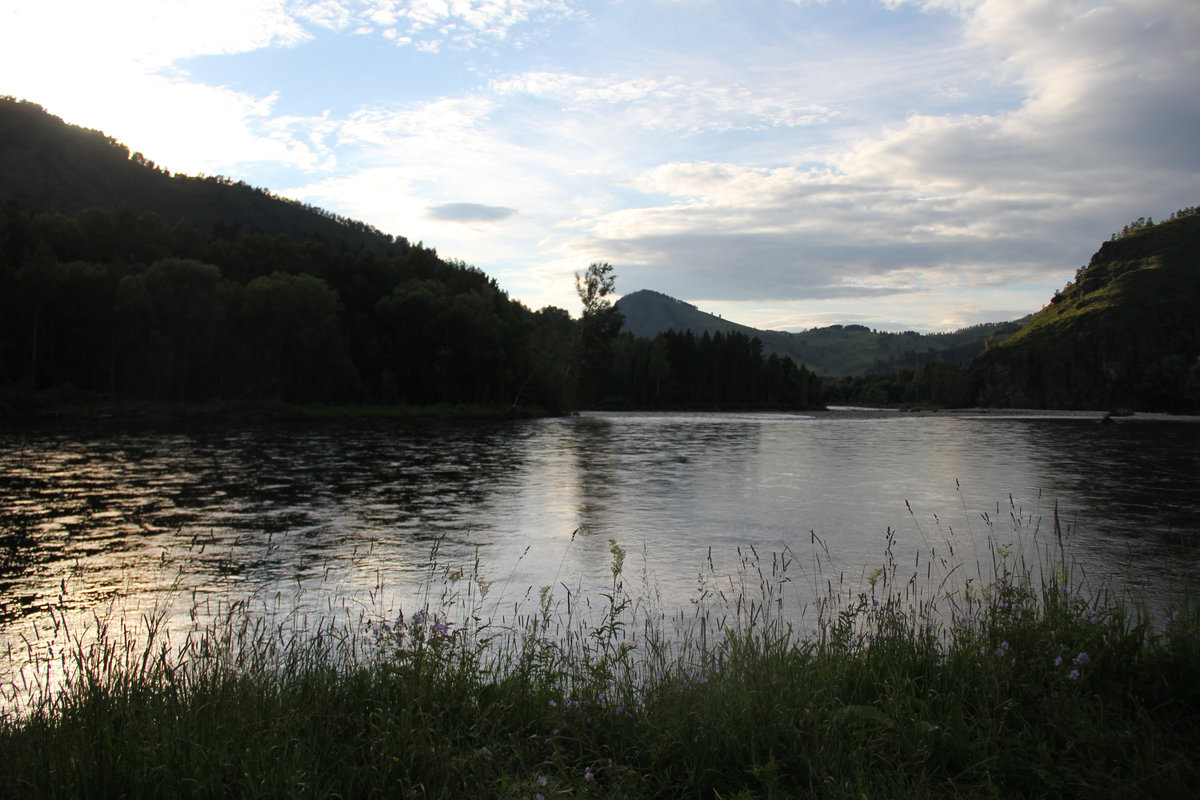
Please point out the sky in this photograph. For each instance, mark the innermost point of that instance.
(789, 164)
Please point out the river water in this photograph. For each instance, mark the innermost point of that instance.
(105, 521)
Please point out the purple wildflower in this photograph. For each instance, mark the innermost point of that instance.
(588, 775)
(1074, 675)
(1082, 658)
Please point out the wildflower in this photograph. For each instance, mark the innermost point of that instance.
(588, 775)
(1074, 675)
(1002, 650)
(1058, 661)
(440, 628)
(553, 704)
(418, 618)
(1082, 658)
(541, 780)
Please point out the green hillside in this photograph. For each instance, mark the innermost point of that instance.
(1124, 334)
(852, 350)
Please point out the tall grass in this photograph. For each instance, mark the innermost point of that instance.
(1015, 682)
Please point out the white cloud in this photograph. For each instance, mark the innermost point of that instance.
(668, 104)
(111, 66)
(430, 24)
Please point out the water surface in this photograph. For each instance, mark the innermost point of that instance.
(114, 520)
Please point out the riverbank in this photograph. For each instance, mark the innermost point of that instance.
(1017, 686)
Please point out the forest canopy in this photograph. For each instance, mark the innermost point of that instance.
(121, 307)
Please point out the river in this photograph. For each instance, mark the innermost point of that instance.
(109, 521)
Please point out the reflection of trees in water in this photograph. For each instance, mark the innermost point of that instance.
(637, 460)
(1136, 480)
(226, 506)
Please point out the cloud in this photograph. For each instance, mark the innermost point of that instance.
(429, 24)
(669, 103)
(112, 66)
(1016, 196)
(469, 212)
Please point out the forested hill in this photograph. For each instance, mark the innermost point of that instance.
(47, 164)
(122, 285)
(841, 350)
(125, 287)
(1124, 334)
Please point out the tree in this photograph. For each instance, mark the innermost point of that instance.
(594, 287)
(292, 335)
(598, 329)
(175, 324)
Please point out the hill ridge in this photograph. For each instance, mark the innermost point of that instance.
(47, 163)
(834, 350)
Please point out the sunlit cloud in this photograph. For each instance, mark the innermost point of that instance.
(431, 24)
(669, 104)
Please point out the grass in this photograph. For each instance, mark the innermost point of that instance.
(1015, 683)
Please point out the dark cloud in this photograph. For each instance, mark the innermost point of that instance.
(782, 266)
(469, 212)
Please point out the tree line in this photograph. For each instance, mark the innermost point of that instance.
(117, 306)
(680, 370)
(105, 306)
(123, 306)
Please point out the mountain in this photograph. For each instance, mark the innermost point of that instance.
(649, 313)
(47, 164)
(851, 350)
(1125, 334)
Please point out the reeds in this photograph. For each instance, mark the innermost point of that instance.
(913, 682)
